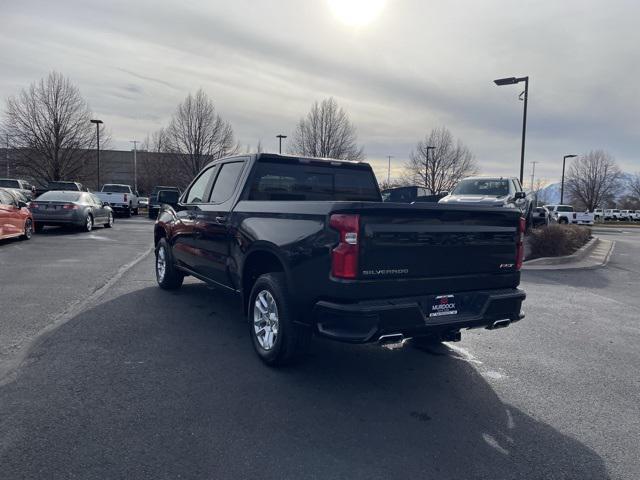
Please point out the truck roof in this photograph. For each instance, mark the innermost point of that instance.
(296, 159)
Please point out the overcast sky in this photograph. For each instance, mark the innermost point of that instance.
(416, 65)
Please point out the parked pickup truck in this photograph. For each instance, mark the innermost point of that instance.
(24, 187)
(310, 248)
(565, 214)
(122, 198)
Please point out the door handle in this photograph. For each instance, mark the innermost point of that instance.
(221, 219)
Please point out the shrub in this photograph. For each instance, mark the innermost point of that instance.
(557, 240)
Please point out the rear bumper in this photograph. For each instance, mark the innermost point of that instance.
(366, 321)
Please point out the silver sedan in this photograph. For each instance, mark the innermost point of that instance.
(78, 209)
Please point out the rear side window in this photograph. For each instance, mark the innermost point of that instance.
(313, 181)
(9, 184)
(226, 182)
(564, 209)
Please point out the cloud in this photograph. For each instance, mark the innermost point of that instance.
(418, 66)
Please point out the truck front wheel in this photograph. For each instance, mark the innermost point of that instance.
(167, 275)
(276, 337)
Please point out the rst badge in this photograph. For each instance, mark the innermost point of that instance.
(443, 305)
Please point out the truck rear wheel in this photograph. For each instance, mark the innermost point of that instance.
(276, 337)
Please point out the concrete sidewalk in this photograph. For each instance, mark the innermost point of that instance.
(596, 253)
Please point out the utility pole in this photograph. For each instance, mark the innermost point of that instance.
(135, 165)
(533, 174)
(280, 137)
(389, 171)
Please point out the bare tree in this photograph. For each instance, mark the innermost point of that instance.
(594, 180)
(444, 166)
(327, 132)
(48, 124)
(197, 134)
(156, 166)
(633, 184)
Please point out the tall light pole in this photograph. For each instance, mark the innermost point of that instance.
(426, 166)
(98, 122)
(564, 159)
(513, 81)
(389, 170)
(135, 165)
(280, 137)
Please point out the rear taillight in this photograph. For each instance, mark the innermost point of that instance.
(33, 205)
(70, 206)
(344, 258)
(522, 225)
(125, 197)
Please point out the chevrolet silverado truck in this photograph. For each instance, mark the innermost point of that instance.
(310, 248)
(122, 198)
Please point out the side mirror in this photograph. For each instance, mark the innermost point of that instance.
(168, 197)
(21, 204)
(520, 195)
(106, 204)
(444, 193)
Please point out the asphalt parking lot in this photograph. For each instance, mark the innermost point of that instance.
(106, 376)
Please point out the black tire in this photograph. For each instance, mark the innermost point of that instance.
(563, 221)
(151, 214)
(88, 223)
(38, 228)
(171, 278)
(292, 339)
(426, 343)
(136, 211)
(109, 223)
(127, 212)
(28, 229)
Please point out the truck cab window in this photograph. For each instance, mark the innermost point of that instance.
(226, 182)
(200, 188)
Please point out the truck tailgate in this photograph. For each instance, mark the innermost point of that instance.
(436, 241)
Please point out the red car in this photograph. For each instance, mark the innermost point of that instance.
(15, 216)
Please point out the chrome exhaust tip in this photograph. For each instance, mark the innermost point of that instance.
(499, 324)
(392, 341)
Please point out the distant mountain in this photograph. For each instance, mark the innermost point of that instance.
(551, 193)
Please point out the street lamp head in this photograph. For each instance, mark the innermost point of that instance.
(431, 148)
(570, 156)
(96, 121)
(281, 136)
(506, 81)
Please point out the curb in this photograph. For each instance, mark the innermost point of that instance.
(596, 256)
(578, 255)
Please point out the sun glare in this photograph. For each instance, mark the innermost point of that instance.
(356, 13)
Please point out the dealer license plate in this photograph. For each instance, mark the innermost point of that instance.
(443, 305)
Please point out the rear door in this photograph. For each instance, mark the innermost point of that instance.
(433, 241)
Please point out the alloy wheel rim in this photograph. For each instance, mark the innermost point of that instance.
(161, 264)
(28, 229)
(89, 223)
(266, 322)
(110, 219)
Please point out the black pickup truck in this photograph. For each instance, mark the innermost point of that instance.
(312, 249)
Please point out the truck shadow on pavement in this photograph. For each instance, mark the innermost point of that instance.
(153, 384)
